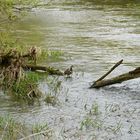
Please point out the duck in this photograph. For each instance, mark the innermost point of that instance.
(69, 71)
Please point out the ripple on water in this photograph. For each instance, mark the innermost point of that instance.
(93, 37)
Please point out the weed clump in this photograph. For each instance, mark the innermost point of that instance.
(50, 99)
(27, 87)
(55, 88)
(18, 75)
(12, 130)
(9, 129)
(14, 80)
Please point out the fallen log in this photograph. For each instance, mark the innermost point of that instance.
(116, 65)
(49, 70)
(15, 59)
(118, 79)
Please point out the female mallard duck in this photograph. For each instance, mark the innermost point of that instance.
(68, 71)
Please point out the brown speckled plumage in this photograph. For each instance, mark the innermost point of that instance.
(68, 71)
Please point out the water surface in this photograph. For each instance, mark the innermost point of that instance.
(93, 36)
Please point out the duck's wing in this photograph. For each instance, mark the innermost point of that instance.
(66, 71)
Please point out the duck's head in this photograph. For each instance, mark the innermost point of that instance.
(71, 67)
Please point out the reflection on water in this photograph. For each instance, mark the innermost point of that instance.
(93, 36)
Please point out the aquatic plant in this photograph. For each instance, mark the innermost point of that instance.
(89, 122)
(114, 128)
(16, 60)
(51, 99)
(92, 118)
(55, 87)
(97, 121)
(49, 55)
(12, 130)
(94, 109)
(43, 129)
(9, 129)
(26, 89)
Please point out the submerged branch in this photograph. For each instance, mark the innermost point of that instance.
(118, 79)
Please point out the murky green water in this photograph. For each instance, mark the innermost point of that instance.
(93, 36)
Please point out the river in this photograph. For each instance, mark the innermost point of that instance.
(92, 36)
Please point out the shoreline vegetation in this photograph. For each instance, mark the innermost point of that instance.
(11, 129)
(20, 73)
(19, 69)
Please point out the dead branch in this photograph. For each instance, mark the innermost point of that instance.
(116, 65)
(118, 79)
(49, 70)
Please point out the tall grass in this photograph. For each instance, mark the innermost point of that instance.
(12, 130)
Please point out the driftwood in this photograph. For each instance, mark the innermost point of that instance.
(16, 60)
(12, 67)
(116, 65)
(118, 79)
(49, 70)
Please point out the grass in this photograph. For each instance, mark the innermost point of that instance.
(49, 55)
(94, 109)
(55, 89)
(111, 108)
(54, 84)
(97, 121)
(92, 120)
(26, 89)
(114, 128)
(25, 86)
(44, 128)
(89, 122)
(38, 128)
(12, 130)
(50, 99)
(9, 42)
(9, 129)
